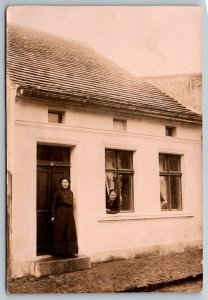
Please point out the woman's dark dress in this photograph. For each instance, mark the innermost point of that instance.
(112, 206)
(64, 229)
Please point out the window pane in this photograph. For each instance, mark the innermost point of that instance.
(111, 181)
(54, 118)
(124, 160)
(110, 161)
(52, 153)
(170, 131)
(43, 153)
(175, 190)
(61, 154)
(126, 197)
(163, 162)
(174, 163)
(164, 192)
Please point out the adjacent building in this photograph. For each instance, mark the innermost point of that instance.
(186, 88)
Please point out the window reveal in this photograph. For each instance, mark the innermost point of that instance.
(170, 131)
(55, 116)
(119, 125)
(119, 181)
(170, 182)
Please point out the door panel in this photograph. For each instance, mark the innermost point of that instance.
(43, 189)
(43, 233)
(43, 210)
(47, 184)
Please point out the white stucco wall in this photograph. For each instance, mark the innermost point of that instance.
(99, 235)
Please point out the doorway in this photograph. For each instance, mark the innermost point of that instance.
(53, 163)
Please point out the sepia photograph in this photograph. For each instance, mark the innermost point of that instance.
(104, 149)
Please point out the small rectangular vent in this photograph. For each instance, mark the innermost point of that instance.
(55, 116)
(170, 131)
(119, 125)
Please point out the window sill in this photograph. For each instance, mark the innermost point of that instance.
(133, 217)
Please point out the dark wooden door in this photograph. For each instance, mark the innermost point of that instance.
(48, 176)
(47, 184)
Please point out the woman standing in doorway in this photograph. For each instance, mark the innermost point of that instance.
(64, 229)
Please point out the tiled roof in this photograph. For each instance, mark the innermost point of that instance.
(50, 67)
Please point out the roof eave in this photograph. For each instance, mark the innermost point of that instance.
(85, 102)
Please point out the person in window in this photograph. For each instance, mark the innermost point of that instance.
(163, 203)
(163, 193)
(64, 239)
(112, 202)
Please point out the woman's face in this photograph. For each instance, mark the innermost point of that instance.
(65, 183)
(112, 196)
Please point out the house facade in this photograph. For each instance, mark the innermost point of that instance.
(73, 113)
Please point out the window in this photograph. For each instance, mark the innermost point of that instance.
(119, 181)
(55, 116)
(170, 182)
(119, 125)
(170, 131)
(53, 155)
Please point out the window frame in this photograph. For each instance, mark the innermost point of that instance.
(59, 113)
(170, 131)
(168, 173)
(118, 171)
(50, 161)
(116, 121)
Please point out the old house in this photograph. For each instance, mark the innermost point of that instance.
(72, 112)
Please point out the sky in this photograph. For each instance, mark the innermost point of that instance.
(145, 40)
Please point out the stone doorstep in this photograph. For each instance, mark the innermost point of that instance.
(55, 266)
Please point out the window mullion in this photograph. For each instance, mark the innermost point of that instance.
(170, 174)
(127, 171)
(111, 170)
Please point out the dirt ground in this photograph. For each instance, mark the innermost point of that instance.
(190, 286)
(118, 276)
